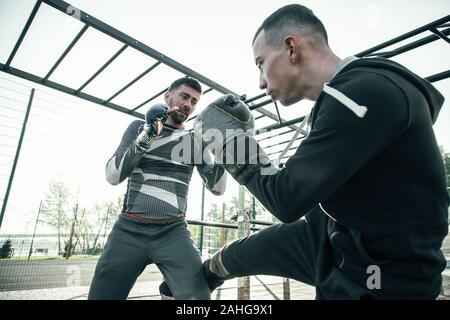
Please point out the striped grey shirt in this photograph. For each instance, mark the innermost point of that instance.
(158, 180)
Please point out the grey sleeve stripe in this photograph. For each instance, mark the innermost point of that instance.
(150, 176)
(112, 172)
(125, 158)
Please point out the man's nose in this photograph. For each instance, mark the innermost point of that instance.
(187, 106)
(262, 82)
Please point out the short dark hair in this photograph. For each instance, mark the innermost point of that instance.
(293, 15)
(190, 82)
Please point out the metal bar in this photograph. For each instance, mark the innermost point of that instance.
(275, 135)
(439, 76)
(134, 81)
(152, 98)
(286, 289)
(62, 88)
(264, 223)
(34, 232)
(256, 97)
(267, 288)
(253, 210)
(212, 224)
(404, 36)
(386, 54)
(261, 104)
(191, 118)
(278, 112)
(16, 157)
(280, 143)
(259, 117)
(412, 45)
(243, 231)
(277, 152)
(124, 38)
(23, 33)
(274, 117)
(287, 156)
(118, 53)
(71, 45)
(278, 126)
(441, 34)
(222, 230)
(208, 90)
(202, 214)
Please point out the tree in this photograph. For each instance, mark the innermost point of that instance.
(5, 250)
(82, 230)
(213, 233)
(102, 217)
(56, 211)
(213, 214)
(261, 213)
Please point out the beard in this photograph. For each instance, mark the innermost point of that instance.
(178, 117)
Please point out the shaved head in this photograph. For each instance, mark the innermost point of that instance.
(291, 19)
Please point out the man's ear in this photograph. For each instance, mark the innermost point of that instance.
(167, 96)
(292, 45)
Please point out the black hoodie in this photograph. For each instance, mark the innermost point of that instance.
(372, 165)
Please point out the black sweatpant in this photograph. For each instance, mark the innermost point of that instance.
(300, 250)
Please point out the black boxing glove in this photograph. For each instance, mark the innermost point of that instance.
(226, 126)
(154, 118)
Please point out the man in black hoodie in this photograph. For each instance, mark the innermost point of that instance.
(368, 181)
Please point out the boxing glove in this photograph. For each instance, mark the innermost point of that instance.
(154, 118)
(226, 126)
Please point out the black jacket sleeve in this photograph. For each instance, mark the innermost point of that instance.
(339, 144)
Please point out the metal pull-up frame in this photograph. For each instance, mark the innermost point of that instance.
(440, 29)
(91, 22)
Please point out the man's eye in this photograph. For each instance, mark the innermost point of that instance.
(259, 66)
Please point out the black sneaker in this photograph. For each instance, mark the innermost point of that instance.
(165, 292)
(214, 281)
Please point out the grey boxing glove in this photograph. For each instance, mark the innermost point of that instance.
(154, 118)
(226, 126)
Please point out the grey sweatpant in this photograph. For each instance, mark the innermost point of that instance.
(131, 246)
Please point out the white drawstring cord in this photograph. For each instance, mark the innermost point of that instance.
(360, 111)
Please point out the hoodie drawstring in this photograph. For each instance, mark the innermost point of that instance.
(360, 111)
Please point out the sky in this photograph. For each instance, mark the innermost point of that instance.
(72, 139)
